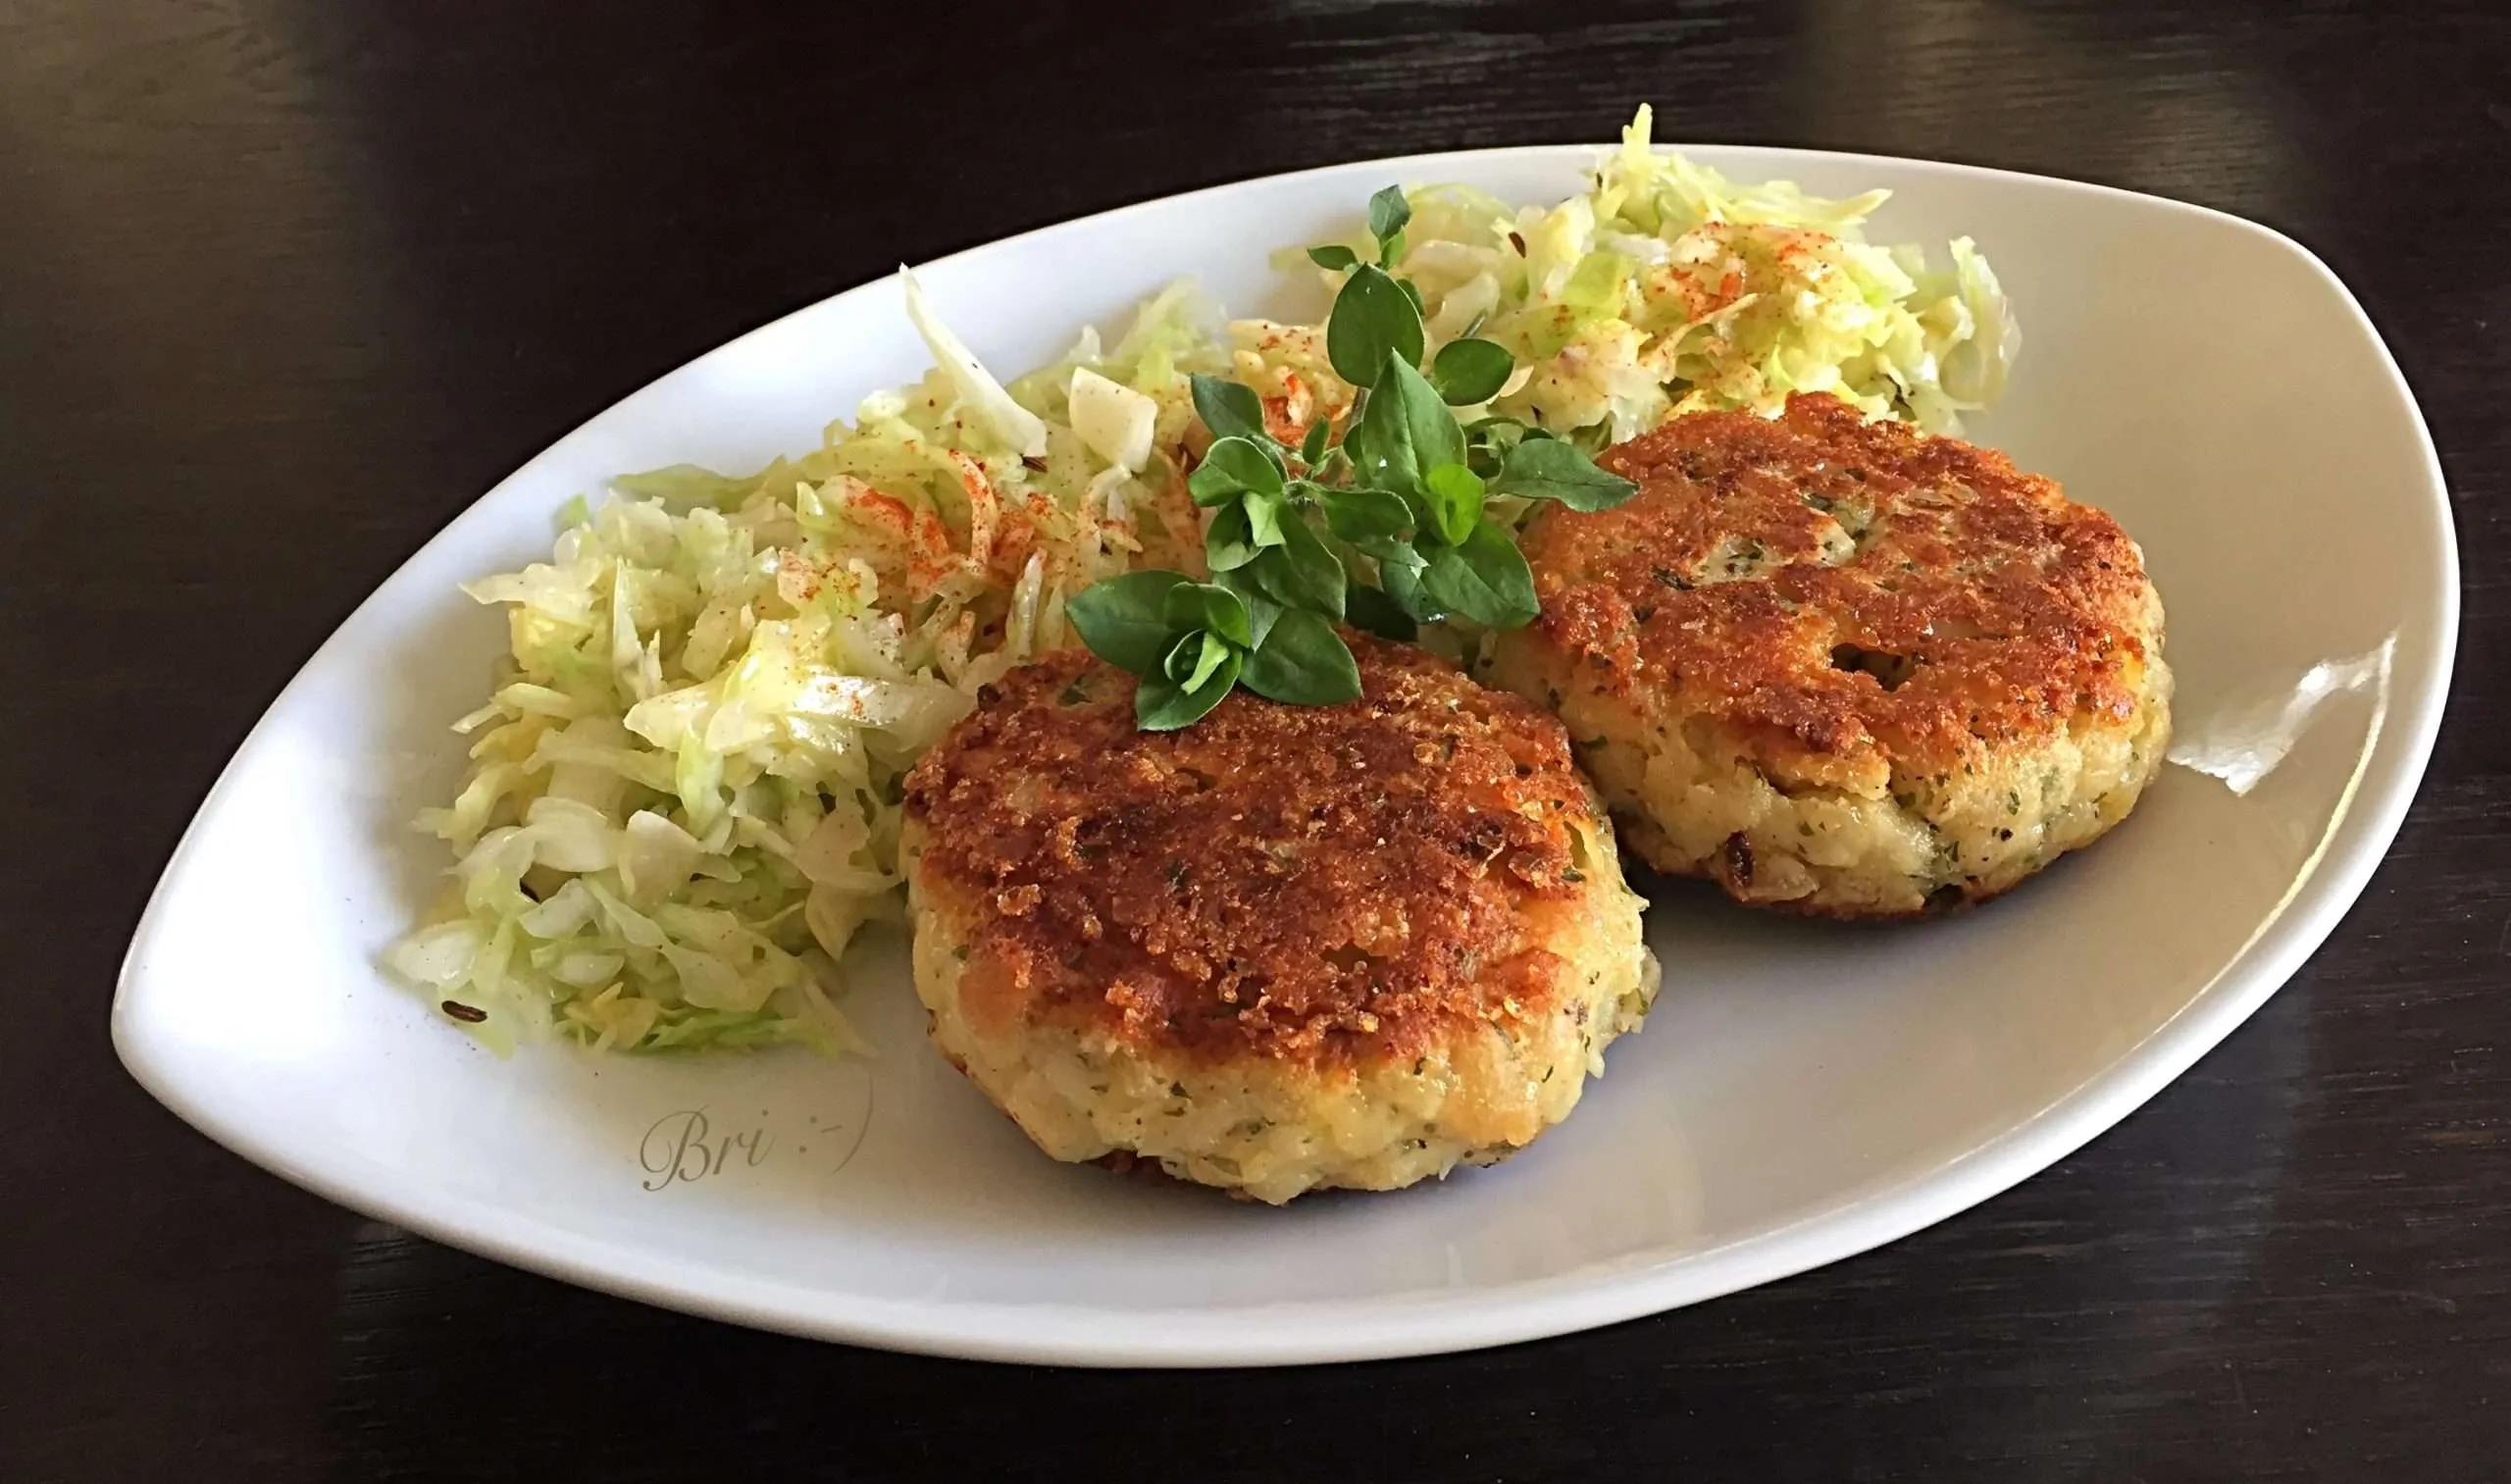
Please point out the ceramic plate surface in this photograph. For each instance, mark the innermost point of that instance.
(1801, 1093)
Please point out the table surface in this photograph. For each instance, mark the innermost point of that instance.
(284, 287)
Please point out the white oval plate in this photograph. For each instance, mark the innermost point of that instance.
(1802, 1092)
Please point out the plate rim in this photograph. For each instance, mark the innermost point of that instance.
(2353, 847)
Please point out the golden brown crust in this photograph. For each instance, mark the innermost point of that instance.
(1307, 883)
(1846, 600)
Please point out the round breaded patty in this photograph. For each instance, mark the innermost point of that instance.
(1844, 667)
(1288, 947)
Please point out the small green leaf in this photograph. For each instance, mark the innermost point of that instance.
(1484, 578)
(1311, 577)
(1456, 501)
(1368, 610)
(1333, 255)
(1362, 516)
(1403, 433)
(1372, 318)
(1401, 581)
(1217, 652)
(1208, 605)
(1179, 662)
(1487, 443)
(1305, 663)
(1405, 557)
(1389, 211)
(1428, 427)
(1378, 451)
(1232, 467)
(1230, 409)
(1265, 519)
(1161, 704)
(1547, 469)
(1193, 658)
(1467, 371)
(1124, 620)
(1436, 438)
(1301, 573)
(1311, 448)
(1229, 543)
(1261, 610)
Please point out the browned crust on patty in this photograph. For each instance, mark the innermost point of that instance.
(1771, 575)
(1311, 883)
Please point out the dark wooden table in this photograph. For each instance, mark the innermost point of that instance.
(284, 285)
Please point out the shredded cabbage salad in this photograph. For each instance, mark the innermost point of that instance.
(683, 799)
(1666, 288)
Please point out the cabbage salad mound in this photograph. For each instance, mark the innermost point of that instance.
(685, 783)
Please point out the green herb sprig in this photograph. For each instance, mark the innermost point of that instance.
(1404, 497)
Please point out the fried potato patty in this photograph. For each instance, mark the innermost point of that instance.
(1288, 947)
(1844, 667)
